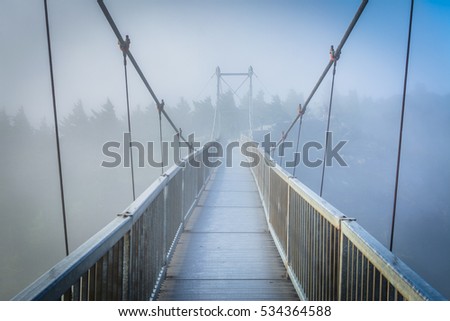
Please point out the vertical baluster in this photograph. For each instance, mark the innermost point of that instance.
(92, 283)
(99, 279)
(84, 284)
(110, 275)
(126, 266)
(76, 291)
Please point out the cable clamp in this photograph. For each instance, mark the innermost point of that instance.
(125, 44)
(125, 214)
(301, 111)
(160, 105)
(334, 56)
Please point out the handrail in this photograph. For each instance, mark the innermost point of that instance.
(55, 282)
(396, 272)
(331, 213)
(329, 256)
(108, 266)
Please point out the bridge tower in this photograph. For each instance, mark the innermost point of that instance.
(219, 112)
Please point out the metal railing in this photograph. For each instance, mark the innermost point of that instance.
(127, 260)
(329, 256)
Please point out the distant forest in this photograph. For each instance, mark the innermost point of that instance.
(32, 231)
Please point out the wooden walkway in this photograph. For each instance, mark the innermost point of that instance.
(226, 251)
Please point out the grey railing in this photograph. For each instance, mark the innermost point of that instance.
(127, 259)
(327, 255)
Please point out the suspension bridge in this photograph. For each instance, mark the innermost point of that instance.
(229, 232)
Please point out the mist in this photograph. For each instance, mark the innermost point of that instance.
(178, 45)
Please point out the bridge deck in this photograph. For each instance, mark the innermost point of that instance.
(226, 251)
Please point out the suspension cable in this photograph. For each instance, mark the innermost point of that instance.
(216, 111)
(232, 90)
(327, 142)
(139, 71)
(327, 68)
(160, 110)
(281, 154)
(55, 117)
(301, 113)
(262, 85)
(242, 83)
(214, 124)
(124, 47)
(204, 87)
(405, 83)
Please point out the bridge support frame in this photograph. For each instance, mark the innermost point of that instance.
(217, 114)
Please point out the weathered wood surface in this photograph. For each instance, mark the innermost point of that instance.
(226, 251)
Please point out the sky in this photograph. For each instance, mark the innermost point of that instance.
(178, 45)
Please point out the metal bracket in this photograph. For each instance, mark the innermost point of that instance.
(125, 215)
(161, 105)
(348, 219)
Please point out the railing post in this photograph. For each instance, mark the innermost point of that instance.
(126, 266)
(342, 292)
(288, 210)
(183, 209)
(341, 253)
(267, 183)
(165, 246)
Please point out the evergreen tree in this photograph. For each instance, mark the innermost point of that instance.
(229, 116)
(5, 128)
(202, 117)
(290, 105)
(105, 122)
(77, 123)
(23, 130)
(261, 115)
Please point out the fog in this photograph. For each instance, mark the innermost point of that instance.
(178, 45)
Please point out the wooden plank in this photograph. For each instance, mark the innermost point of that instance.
(230, 199)
(226, 251)
(240, 290)
(218, 220)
